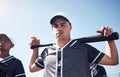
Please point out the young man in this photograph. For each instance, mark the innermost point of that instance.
(9, 65)
(67, 57)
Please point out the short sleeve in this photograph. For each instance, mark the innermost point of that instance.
(94, 55)
(40, 60)
(19, 69)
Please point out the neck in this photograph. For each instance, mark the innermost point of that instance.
(3, 54)
(62, 43)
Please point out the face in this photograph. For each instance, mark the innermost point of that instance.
(61, 29)
(5, 45)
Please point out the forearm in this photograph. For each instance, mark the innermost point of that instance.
(111, 51)
(34, 56)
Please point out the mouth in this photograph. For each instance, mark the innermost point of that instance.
(1, 50)
(58, 34)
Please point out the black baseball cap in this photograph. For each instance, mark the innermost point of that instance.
(58, 15)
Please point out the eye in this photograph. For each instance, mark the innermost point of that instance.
(63, 24)
(55, 26)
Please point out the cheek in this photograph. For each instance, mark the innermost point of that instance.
(9, 46)
(54, 32)
(67, 30)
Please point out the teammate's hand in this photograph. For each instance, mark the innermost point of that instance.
(34, 41)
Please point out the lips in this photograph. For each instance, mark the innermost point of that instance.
(1, 48)
(58, 34)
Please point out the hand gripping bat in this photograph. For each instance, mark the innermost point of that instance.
(88, 39)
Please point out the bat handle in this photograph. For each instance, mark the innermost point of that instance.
(42, 45)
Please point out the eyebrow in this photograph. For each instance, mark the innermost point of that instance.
(60, 23)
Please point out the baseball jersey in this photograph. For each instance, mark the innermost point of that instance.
(75, 58)
(98, 71)
(13, 66)
(2, 70)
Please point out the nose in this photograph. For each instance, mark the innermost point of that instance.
(59, 27)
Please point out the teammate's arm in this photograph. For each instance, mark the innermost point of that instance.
(35, 52)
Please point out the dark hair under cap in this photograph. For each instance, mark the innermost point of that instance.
(56, 17)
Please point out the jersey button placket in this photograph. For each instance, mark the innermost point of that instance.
(59, 63)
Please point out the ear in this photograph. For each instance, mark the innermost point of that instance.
(70, 27)
(12, 45)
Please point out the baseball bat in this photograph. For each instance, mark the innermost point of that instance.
(88, 39)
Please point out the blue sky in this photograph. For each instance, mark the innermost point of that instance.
(21, 19)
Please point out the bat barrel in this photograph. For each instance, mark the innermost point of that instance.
(99, 38)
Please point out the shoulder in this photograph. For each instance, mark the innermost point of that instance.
(48, 50)
(10, 59)
(79, 44)
(15, 61)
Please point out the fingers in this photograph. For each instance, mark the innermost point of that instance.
(34, 41)
(108, 31)
(105, 30)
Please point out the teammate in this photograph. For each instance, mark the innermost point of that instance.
(97, 70)
(9, 65)
(69, 57)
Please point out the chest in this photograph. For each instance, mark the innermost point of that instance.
(68, 56)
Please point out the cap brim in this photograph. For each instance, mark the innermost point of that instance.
(56, 17)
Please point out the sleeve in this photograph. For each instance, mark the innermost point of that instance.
(19, 70)
(94, 55)
(40, 60)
